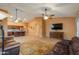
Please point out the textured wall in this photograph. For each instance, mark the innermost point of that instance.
(69, 26)
(38, 27)
(35, 27)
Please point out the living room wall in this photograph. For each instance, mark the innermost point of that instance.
(69, 26)
(35, 27)
(40, 28)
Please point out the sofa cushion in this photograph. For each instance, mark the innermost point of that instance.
(75, 45)
(61, 48)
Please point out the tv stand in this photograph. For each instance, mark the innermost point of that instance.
(57, 35)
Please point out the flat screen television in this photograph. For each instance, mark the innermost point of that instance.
(58, 26)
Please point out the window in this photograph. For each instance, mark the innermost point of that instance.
(2, 16)
(78, 26)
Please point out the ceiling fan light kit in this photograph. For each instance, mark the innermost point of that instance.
(46, 17)
(17, 18)
(45, 14)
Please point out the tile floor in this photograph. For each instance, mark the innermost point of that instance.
(31, 45)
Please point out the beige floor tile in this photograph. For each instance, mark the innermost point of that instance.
(31, 45)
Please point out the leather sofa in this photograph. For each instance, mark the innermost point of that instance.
(61, 48)
(66, 47)
(74, 46)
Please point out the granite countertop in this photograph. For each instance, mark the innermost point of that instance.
(13, 30)
(6, 36)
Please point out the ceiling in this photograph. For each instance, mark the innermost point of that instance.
(31, 10)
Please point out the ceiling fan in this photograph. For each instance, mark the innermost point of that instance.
(45, 14)
(18, 16)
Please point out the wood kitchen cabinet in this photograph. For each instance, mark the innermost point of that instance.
(16, 34)
(16, 31)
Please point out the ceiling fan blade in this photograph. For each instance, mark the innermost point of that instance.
(52, 15)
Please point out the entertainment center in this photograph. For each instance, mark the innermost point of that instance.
(56, 33)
